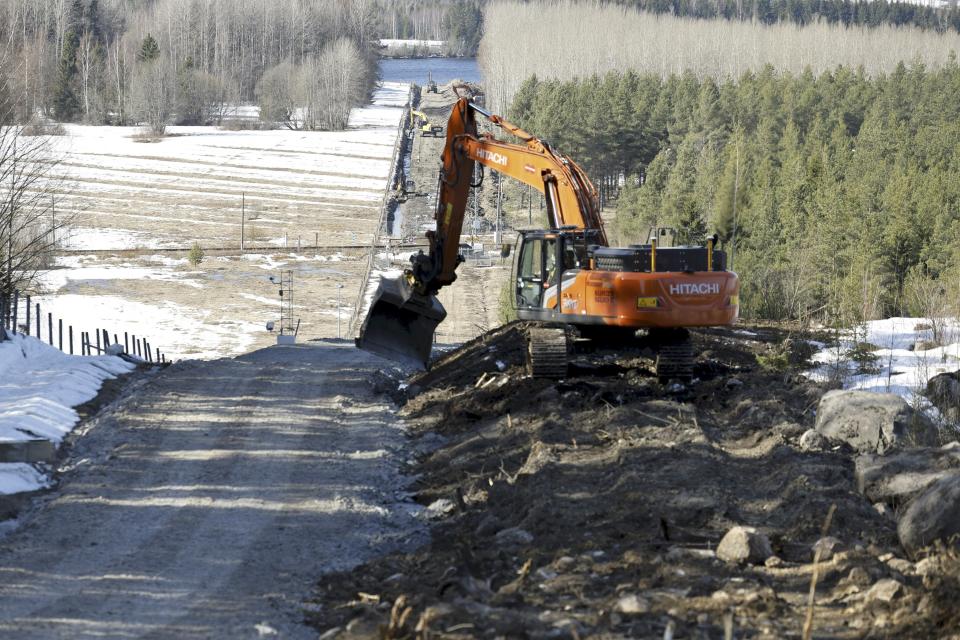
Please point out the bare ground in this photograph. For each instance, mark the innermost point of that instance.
(207, 500)
(593, 506)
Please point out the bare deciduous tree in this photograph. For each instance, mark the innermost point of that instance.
(152, 93)
(234, 40)
(329, 86)
(28, 190)
(87, 63)
(275, 95)
(927, 298)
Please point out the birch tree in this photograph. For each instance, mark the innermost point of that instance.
(28, 188)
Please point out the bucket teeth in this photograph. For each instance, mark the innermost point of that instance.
(400, 323)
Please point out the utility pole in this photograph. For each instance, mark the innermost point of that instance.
(339, 287)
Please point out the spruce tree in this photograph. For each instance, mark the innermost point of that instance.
(149, 50)
(66, 105)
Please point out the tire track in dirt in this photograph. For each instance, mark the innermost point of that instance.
(208, 503)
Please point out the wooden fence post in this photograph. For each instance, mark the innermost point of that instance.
(50, 328)
(106, 339)
(60, 332)
(126, 343)
(39, 337)
(28, 315)
(70, 332)
(99, 350)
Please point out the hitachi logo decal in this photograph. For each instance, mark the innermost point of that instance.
(695, 288)
(492, 156)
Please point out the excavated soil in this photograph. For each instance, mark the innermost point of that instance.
(593, 506)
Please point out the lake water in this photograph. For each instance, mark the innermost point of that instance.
(416, 69)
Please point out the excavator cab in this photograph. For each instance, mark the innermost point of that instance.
(543, 258)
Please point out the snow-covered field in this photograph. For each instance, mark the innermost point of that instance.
(898, 368)
(130, 194)
(39, 387)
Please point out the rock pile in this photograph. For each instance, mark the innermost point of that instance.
(900, 465)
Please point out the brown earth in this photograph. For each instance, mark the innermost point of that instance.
(593, 507)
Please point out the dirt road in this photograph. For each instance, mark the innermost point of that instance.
(206, 504)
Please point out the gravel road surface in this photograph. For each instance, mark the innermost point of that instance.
(207, 504)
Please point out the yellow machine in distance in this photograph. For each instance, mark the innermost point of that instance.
(427, 129)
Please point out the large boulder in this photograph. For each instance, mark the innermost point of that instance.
(898, 477)
(931, 516)
(744, 545)
(873, 422)
(943, 391)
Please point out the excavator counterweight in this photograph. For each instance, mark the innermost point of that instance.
(400, 323)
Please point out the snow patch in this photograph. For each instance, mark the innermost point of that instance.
(39, 388)
(897, 369)
(387, 108)
(56, 279)
(179, 332)
(19, 477)
(88, 238)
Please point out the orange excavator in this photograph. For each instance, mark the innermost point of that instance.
(567, 279)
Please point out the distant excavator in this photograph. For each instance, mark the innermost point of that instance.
(427, 128)
(566, 279)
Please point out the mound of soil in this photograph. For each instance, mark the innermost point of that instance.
(593, 506)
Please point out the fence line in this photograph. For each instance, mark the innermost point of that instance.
(19, 314)
(386, 205)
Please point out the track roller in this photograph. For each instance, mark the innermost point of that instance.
(547, 353)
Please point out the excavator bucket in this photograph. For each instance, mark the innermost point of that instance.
(400, 323)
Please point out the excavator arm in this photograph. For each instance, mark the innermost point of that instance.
(571, 199)
(405, 311)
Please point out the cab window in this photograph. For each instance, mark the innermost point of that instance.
(530, 276)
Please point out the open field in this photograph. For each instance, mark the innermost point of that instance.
(193, 185)
(218, 308)
(293, 188)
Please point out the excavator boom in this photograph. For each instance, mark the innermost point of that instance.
(405, 312)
